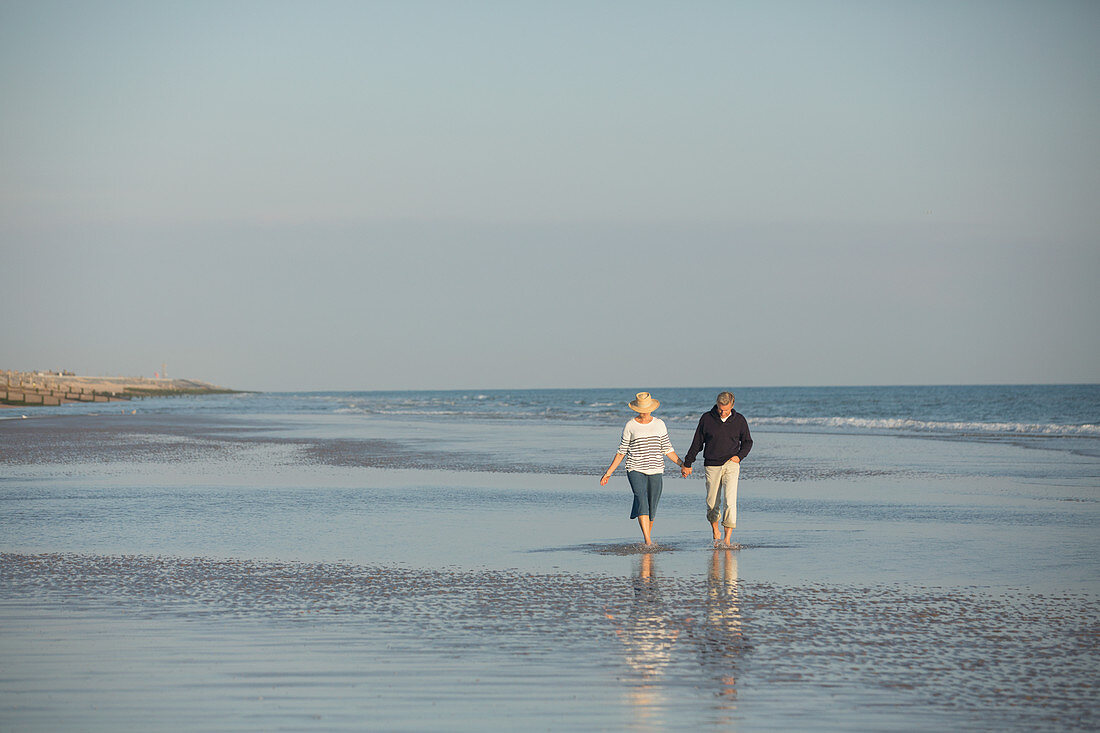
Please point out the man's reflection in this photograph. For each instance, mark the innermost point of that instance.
(722, 641)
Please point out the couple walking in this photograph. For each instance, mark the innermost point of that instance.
(722, 435)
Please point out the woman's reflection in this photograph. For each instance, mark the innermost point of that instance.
(648, 637)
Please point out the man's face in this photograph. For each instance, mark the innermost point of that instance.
(724, 411)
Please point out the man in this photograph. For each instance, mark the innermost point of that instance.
(725, 435)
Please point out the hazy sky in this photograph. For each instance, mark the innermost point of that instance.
(372, 195)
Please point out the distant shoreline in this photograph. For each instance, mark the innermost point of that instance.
(31, 389)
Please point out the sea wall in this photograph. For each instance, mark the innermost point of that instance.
(19, 388)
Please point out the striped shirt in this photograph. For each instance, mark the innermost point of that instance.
(645, 446)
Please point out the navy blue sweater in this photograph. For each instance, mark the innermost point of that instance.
(723, 440)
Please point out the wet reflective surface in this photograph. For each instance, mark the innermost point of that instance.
(354, 645)
(308, 574)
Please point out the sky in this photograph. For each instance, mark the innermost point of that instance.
(475, 195)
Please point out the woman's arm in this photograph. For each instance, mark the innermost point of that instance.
(611, 469)
(670, 453)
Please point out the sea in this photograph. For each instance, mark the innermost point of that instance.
(906, 557)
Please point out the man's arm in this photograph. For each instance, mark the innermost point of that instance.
(746, 440)
(696, 445)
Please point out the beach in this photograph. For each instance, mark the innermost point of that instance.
(391, 562)
(316, 350)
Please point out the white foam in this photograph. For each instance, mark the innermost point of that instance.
(931, 426)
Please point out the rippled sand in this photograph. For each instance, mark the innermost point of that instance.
(630, 650)
(878, 589)
(152, 437)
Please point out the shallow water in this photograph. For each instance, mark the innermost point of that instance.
(347, 645)
(260, 572)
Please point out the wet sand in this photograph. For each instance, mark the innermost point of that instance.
(724, 650)
(195, 573)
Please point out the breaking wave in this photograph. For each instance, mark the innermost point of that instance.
(930, 426)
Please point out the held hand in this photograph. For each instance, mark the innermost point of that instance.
(603, 481)
(685, 472)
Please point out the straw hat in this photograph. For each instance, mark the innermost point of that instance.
(644, 403)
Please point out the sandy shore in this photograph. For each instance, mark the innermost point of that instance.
(367, 642)
(216, 564)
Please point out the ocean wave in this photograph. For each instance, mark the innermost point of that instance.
(423, 412)
(931, 426)
(838, 424)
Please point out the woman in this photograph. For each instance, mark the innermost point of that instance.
(645, 443)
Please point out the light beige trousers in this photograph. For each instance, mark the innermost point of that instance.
(722, 493)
